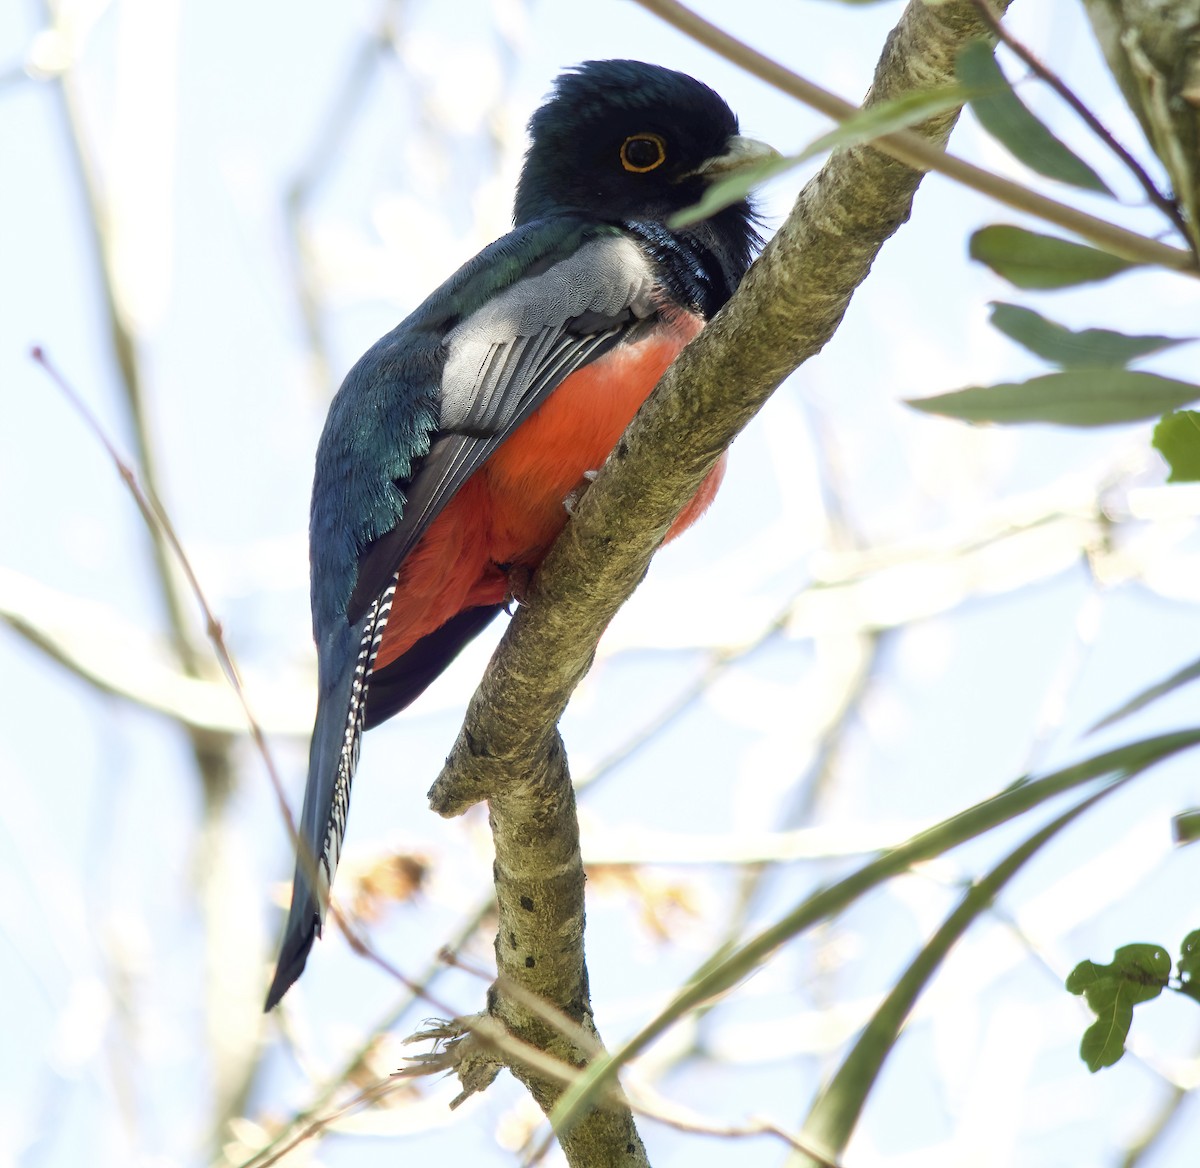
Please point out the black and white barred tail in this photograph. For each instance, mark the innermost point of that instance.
(332, 760)
(335, 828)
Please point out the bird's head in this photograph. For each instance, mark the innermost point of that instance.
(622, 140)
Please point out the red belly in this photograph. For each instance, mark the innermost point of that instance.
(510, 511)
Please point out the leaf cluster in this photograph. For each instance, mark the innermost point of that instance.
(1093, 384)
(1138, 973)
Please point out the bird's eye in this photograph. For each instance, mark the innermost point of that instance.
(643, 152)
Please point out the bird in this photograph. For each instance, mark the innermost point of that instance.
(455, 442)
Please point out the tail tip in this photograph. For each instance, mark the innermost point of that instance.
(294, 954)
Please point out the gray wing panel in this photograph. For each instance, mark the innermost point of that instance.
(502, 362)
(496, 357)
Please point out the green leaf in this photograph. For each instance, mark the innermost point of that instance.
(727, 191)
(833, 1116)
(1185, 828)
(885, 117)
(1002, 113)
(1089, 397)
(1189, 958)
(874, 122)
(1158, 690)
(1030, 260)
(1093, 348)
(1138, 974)
(721, 972)
(1177, 439)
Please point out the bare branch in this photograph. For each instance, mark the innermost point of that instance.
(94, 642)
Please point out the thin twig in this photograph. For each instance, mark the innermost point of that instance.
(156, 517)
(212, 753)
(1166, 204)
(125, 351)
(719, 661)
(330, 140)
(653, 1106)
(367, 1097)
(420, 992)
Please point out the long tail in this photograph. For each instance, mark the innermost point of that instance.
(332, 759)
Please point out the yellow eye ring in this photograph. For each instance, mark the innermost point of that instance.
(639, 160)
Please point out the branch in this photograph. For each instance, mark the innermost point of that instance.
(229, 964)
(98, 645)
(1152, 51)
(1168, 206)
(788, 307)
(508, 751)
(938, 27)
(188, 647)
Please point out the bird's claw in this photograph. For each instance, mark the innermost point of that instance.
(519, 577)
(576, 493)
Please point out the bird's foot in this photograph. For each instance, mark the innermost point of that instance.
(577, 493)
(519, 579)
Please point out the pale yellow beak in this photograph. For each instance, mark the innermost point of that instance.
(741, 154)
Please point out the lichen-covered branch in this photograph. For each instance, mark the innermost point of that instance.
(508, 751)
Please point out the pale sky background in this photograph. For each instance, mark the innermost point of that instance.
(981, 665)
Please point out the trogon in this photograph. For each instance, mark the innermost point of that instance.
(452, 445)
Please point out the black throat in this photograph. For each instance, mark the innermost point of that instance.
(702, 264)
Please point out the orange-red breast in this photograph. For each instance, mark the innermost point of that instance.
(453, 442)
